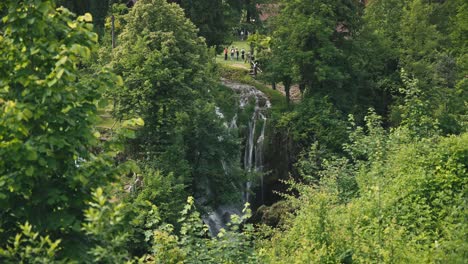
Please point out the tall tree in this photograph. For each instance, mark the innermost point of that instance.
(48, 157)
(168, 82)
(319, 45)
(320, 33)
(163, 64)
(215, 19)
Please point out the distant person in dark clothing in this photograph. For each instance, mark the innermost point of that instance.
(243, 54)
(225, 53)
(237, 54)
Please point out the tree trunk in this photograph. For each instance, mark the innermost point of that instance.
(287, 87)
(249, 13)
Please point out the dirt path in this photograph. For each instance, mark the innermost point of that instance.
(240, 65)
(295, 93)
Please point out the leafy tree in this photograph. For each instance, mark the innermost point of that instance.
(29, 247)
(330, 53)
(214, 19)
(417, 37)
(162, 62)
(50, 159)
(419, 40)
(384, 17)
(459, 28)
(277, 68)
(316, 42)
(155, 199)
(105, 226)
(169, 83)
(315, 120)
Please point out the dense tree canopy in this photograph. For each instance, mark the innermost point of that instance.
(214, 19)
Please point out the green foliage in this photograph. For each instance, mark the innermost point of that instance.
(105, 226)
(427, 114)
(425, 39)
(314, 47)
(192, 245)
(459, 28)
(213, 142)
(98, 9)
(368, 193)
(419, 40)
(318, 164)
(385, 17)
(50, 155)
(165, 247)
(149, 189)
(169, 83)
(331, 52)
(315, 119)
(236, 244)
(29, 247)
(214, 18)
(415, 110)
(230, 246)
(410, 199)
(156, 56)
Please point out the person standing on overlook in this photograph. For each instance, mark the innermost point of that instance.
(243, 54)
(225, 53)
(237, 54)
(232, 53)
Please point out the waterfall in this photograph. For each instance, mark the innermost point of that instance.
(254, 143)
(259, 156)
(253, 152)
(233, 124)
(248, 156)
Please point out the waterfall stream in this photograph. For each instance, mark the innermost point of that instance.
(253, 149)
(253, 153)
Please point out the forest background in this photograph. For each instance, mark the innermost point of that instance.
(104, 152)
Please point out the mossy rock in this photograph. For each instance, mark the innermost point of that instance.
(273, 215)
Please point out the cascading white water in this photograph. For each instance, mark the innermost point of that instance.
(253, 153)
(259, 155)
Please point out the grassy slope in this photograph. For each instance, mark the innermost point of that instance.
(238, 64)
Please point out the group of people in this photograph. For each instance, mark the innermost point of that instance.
(235, 54)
